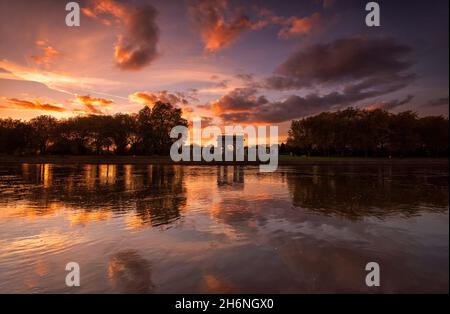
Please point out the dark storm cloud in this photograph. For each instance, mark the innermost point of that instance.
(343, 60)
(239, 100)
(248, 107)
(244, 105)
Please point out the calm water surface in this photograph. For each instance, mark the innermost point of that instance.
(178, 229)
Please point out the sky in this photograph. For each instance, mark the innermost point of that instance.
(228, 62)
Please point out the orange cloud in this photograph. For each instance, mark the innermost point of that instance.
(94, 101)
(135, 48)
(105, 7)
(48, 53)
(91, 104)
(295, 26)
(149, 99)
(34, 105)
(216, 32)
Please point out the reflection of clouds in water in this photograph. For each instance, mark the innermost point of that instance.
(213, 284)
(130, 273)
(301, 229)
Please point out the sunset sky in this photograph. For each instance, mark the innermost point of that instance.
(230, 62)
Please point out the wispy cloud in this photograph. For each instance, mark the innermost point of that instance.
(34, 105)
(298, 26)
(48, 53)
(389, 104)
(61, 82)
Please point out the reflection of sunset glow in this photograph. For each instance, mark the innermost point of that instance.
(90, 175)
(107, 174)
(40, 270)
(46, 175)
(128, 177)
(217, 228)
(25, 170)
(135, 222)
(45, 242)
(24, 211)
(81, 218)
(42, 173)
(215, 285)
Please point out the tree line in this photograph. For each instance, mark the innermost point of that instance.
(369, 133)
(146, 133)
(350, 132)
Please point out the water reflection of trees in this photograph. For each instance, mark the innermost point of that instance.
(371, 191)
(155, 192)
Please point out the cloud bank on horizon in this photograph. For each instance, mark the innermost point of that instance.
(229, 61)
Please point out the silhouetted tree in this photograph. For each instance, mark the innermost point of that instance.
(145, 131)
(124, 133)
(43, 129)
(355, 132)
(16, 137)
(164, 117)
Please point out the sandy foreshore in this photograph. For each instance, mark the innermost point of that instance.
(161, 160)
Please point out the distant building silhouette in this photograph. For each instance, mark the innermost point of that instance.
(231, 146)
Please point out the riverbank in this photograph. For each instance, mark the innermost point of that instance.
(161, 160)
